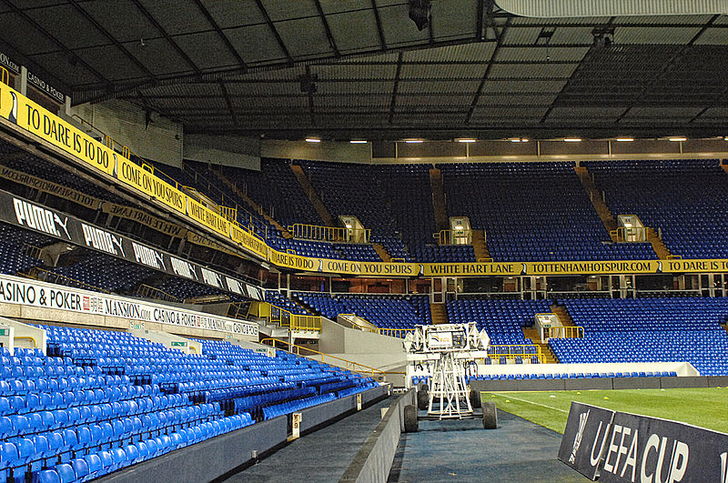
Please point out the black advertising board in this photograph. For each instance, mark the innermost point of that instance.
(585, 438)
(26, 214)
(651, 449)
(622, 447)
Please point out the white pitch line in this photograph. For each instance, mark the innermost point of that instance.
(534, 403)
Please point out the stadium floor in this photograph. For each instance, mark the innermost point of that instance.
(518, 450)
(321, 456)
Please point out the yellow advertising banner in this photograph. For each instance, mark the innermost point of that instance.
(694, 266)
(586, 268)
(34, 118)
(248, 241)
(471, 269)
(50, 187)
(134, 175)
(207, 217)
(374, 269)
(296, 262)
(143, 217)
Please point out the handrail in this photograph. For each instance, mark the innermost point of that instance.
(148, 291)
(355, 366)
(511, 351)
(448, 237)
(303, 231)
(42, 274)
(564, 332)
(398, 333)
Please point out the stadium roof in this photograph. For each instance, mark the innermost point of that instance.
(344, 68)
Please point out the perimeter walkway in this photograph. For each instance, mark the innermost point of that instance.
(321, 456)
(518, 451)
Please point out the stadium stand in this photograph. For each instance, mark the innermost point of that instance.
(649, 330)
(502, 319)
(686, 199)
(103, 400)
(533, 212)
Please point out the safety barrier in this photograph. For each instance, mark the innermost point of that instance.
(285, 318)
(322, 357)
(44, 275)
(450, 237)
(149, 292)
(564, 332)
(399, 333)
(511, 351)
(303, 231)
(305, 322)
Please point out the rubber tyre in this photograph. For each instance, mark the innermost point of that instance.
(410, 419)
(490, 415)
(423, 399)
(475, 399)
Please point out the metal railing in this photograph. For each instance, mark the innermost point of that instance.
(305, 322)
(303, 231)
(399, 333)
(149, 292)
(564, 332)
(322, 357)
(511, 351)
(53, 277)
(449, 237)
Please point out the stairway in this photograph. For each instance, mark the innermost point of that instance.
(382, 252)
(313, 196)
(482, 254)
(563, 315)
(439, 314)
(438, 200)
(663, 253)
(595, 195)
(251, 203)
(531, 333)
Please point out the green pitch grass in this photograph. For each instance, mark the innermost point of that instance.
(706, 407)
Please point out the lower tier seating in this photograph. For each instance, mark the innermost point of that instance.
(649, 330)
(104, 400)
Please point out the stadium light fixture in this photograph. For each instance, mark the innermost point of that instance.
(466, 140)
(358, 141)
(572, 140)
(313, 140)
(677, 139)
(725, 138)
(519, 140)
(625, 140)
(414, 141)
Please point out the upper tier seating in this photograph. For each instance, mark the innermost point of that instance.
(503, 320)
(13, 244)
(687, 199)
(276, 189)
(533, 212)
(649, 330)
(391, 311)
(106, 400)
(276, 298)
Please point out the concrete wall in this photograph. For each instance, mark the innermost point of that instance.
(160, 139)
(336, 339)
(226, 150)
(23, 336)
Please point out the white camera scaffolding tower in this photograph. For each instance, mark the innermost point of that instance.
(447, 350)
